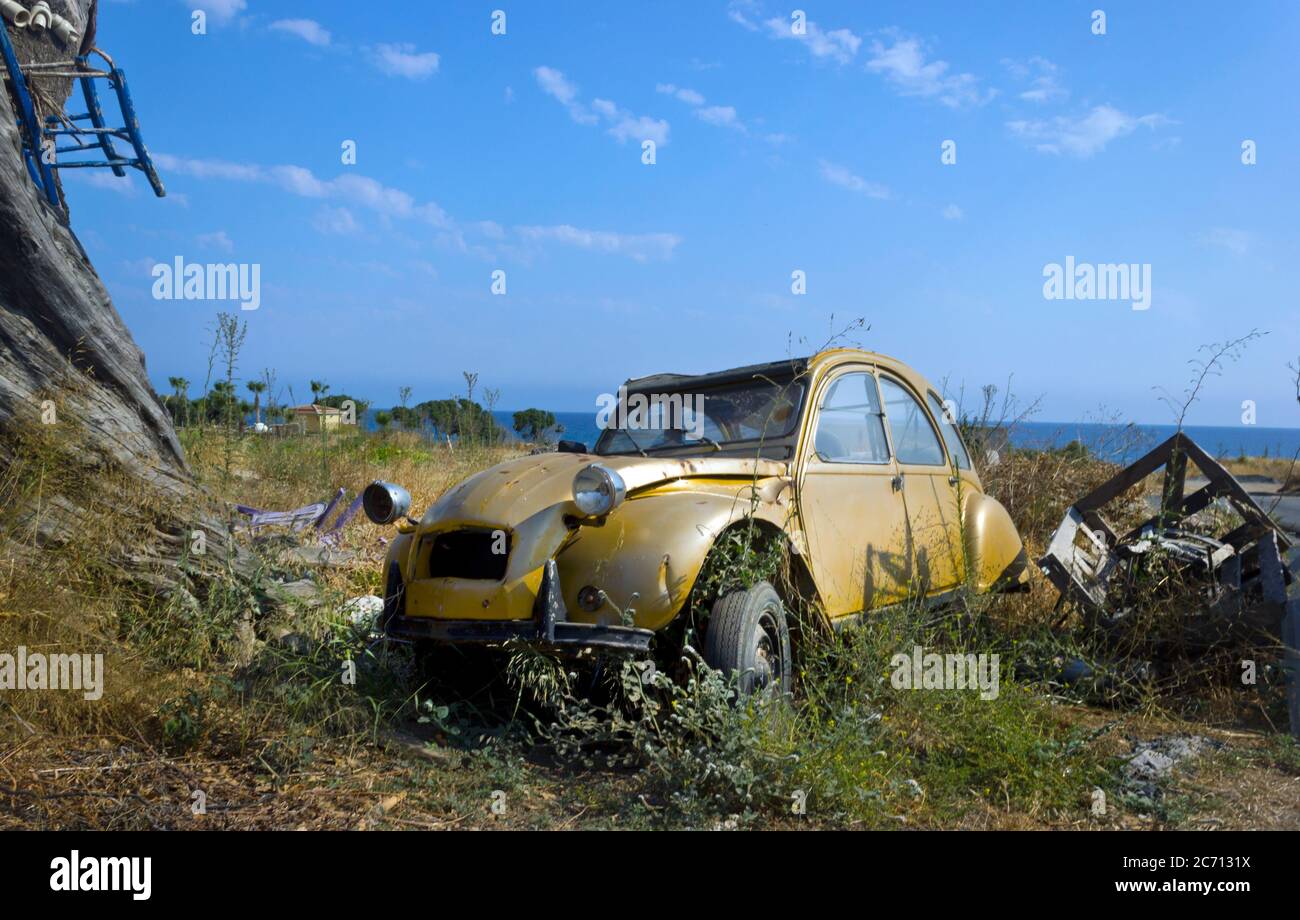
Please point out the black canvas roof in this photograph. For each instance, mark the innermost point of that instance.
(776, 370)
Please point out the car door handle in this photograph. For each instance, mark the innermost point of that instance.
(953, 480)
(897, 482)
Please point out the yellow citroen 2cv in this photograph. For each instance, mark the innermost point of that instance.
(847, 460)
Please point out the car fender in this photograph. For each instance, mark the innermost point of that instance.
(398, 552)
(647, 556)
(993, 544)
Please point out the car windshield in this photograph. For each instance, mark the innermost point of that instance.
(705, 419)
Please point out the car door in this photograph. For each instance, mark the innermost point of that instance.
(852, 513)
(962, 481)
(929, 489)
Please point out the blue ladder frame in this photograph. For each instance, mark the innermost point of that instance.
(97, 137)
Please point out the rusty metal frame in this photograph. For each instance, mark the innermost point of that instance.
(1085, 552)
(1081, 574)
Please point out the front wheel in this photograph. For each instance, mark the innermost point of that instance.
(748, 634)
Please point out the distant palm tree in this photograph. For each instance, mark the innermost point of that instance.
(257, 388)
(181, 406)
(222, 403)
(318, 390)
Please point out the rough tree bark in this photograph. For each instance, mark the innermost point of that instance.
(56, 317)
(61, 338)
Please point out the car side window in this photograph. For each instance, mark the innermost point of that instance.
(948, 427)
(850, 424)
(915, 440)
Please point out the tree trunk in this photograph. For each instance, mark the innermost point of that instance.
(63, 347)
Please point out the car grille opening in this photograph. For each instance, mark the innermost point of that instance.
(473, 554)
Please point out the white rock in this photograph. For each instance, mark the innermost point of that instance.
(364, 610)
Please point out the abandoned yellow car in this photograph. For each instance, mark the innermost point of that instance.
(847, 461)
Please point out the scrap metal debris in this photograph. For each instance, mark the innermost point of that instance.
(1152, 762)
(316, 514)
(1241, 576)
(1089, 563)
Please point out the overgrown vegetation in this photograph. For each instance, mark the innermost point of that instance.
(287, 712)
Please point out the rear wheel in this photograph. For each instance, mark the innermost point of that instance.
(748, 634)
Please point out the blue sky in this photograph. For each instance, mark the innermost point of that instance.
(776, 152)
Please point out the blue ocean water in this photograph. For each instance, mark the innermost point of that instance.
(1119, 443)
(1124, 444)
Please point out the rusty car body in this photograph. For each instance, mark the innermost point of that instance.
(847, 457)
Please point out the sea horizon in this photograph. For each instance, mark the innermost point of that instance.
(1122, 442)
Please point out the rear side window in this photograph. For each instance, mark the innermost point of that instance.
(914, 437)
(947, 427)
(850, 428)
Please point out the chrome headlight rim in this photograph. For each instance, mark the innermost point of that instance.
(598, 490)
(385, 502)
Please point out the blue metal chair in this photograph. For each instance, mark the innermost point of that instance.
(40, 140)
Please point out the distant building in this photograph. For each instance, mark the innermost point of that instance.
(317, 418)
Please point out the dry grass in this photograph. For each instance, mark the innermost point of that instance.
(272, 472)
(1037, 486)
(1284, 471)
(283, 473)
(272, 740)
(69, 762)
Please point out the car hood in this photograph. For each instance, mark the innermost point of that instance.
(512, 492)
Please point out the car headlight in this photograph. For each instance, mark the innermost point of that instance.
(598, 490)
(385, 502)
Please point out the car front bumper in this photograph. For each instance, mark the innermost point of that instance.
(549, 628)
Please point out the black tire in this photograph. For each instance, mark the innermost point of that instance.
(394, 598)
(748, 634)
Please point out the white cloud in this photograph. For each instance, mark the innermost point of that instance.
(744, 12)
(626, 126)
(689, 96)
(402, 60)
(1041, 76)
(1238, 242)
(723, 116)
(209, 169)
(102, 179)
(1044, 90)
(622, 124)
(309, 30)
(555, 85)
(640, 247)
(142, 266)
(904, 65)
(841, 176)
(336, 221)
(221, 11)
(838, 44)
(952, 212)
(218, 240)
(350, 189)
(604, 108)
(1084, 135)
